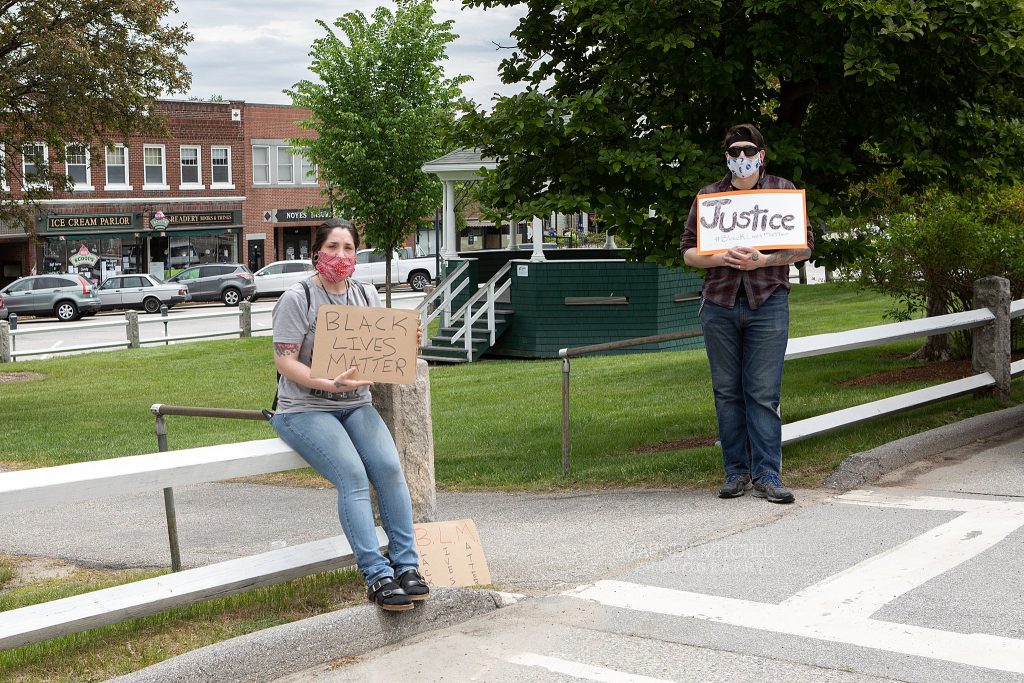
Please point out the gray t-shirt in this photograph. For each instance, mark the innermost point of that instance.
(295, 323)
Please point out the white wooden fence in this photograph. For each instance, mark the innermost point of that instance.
(996, 376)
(80, 482)
(132, 323)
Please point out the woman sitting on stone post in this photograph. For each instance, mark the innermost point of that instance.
(333, 425)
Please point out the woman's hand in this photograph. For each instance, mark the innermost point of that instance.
(743, 258)
(344, 382)
(419, 335)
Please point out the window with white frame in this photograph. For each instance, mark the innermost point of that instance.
(34, 159)
(261, 165)
(191, 170)
(220, 166)
(3, 169)
(76, 158)
(308, 170)
(285, 165)
(117, 167)
(154, 166)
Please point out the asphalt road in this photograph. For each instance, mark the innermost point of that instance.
(51, 337)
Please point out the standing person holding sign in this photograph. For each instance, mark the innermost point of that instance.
(745, 315)
(333, 425)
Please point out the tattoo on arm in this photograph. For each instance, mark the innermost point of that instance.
(285, 349)
(786, 256)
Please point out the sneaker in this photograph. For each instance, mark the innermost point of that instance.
(770, 488)
(414, 585)
(735, 485)
(389, 595)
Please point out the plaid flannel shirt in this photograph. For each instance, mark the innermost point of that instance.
(722, 284)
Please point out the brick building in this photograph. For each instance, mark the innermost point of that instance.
(280, 187)
(228, 185)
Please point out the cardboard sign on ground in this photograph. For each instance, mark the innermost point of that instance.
(451, 554)
(761, 219)
(379, 342)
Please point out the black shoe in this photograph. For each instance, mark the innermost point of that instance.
(388, 595)
(735, 486)
(770, 488)
(414, 585)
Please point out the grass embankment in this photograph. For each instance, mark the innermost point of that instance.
(637, 420)
(103, 653)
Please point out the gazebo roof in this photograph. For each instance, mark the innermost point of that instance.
(462, 164)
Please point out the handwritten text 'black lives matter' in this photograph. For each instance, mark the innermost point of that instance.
(370, 348)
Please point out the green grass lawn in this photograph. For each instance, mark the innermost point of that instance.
(101, 653)
(497, 424)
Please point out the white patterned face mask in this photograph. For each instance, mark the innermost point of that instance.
(743, 166)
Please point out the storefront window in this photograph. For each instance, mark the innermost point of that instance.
(114, 256)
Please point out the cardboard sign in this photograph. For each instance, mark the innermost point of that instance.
(379, 342)
(761, 219)
(451, 554)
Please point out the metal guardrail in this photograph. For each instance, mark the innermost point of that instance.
(160, 409)
(566, 354)
(132, 324)
(834, 342)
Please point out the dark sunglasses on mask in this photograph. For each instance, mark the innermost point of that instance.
(749, 151)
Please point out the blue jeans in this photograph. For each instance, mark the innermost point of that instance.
(351, 449)
(746, 349)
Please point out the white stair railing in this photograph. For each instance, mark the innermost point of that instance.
(489, 294)
(445, 292)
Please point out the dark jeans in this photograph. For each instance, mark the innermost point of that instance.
(746, 349)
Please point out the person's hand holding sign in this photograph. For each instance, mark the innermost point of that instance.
(345, 383)
(743, 258)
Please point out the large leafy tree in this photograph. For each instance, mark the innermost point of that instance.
(84, 71)
(625, 102)
(381, 108)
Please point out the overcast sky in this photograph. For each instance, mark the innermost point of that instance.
(252, 49)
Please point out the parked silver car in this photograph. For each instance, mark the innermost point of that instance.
(140, 290)
(227, 282)
(69, 297)
(274, 279)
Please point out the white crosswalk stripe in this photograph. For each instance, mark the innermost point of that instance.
(587, 672)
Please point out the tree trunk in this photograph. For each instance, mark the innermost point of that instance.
(937, 348)
(387, 280)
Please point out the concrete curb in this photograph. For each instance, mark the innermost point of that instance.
(867, 466)
(272, 653)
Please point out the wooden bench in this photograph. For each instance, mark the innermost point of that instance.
(50, 486)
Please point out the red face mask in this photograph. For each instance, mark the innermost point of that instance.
(335, 268)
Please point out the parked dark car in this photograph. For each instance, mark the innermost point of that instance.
(69, 297)
(141, 290)
(227, 282)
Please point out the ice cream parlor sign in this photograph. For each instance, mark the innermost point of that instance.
(761, 219)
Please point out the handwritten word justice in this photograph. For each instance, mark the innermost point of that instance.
(755, 219)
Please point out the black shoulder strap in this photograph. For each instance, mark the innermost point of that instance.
(309, 300)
